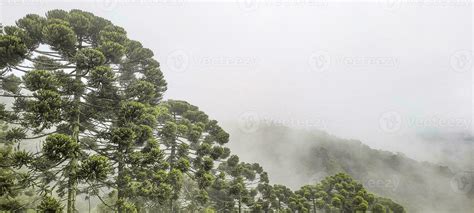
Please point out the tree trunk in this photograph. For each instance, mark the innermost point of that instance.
(172, 162)
(240, 204)
(71, 192)
(72, 181)
(120, 187)
(171, 205)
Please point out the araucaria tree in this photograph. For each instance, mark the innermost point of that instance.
(193, 144)
(340, 193)
(70, 74)
(236, 186)
(14, 193)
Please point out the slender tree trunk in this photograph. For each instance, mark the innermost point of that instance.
(72, 176)
(314, 205)
(172, 161)
(240, 204)
(89, 200)
(71, 194)
(171, 205)
(120, 187)
(172, 156)
(121, 182)
(173, 148)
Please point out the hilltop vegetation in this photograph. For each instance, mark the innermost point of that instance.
(297, 157)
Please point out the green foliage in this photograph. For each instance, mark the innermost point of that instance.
(61, 38)
(14, 135)
(95, 168)
(12, 50)
(14, 193)
(11, 83)
(50, 205)
(339, 192)
(192, 141)
(33, 25)
(101, 77)
(89, 58)
(40, 80)
(58, 147)
(238, 184)
(83, 81)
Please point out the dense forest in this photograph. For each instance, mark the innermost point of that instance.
(83, 117)
(314, 154)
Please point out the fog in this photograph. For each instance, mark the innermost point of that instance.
(392, 74)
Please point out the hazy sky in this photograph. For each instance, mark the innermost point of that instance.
(382, 72)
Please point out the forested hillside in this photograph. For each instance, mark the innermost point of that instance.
(303, 156)
(83, 117)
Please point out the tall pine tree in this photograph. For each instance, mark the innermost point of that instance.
(68, 73)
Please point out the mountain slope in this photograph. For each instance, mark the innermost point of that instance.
(297, 157)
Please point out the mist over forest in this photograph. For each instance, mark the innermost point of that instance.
(245, 106)
(294, 157)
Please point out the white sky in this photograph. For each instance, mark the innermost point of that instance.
(238, 57)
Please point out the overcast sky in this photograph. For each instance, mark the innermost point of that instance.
(382, 72)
